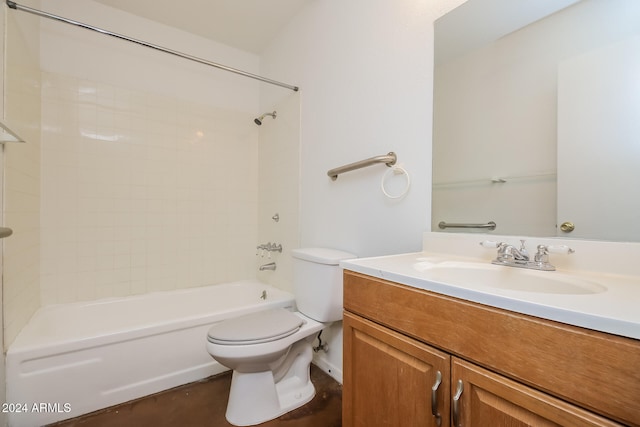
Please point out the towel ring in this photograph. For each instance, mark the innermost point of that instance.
(396, 170)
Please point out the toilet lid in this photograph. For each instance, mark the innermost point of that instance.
(260, 327)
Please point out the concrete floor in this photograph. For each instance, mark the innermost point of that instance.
(204, 403)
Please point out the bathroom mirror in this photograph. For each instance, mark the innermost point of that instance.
(537, 118)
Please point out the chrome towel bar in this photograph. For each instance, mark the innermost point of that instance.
(489, 226)
(389, 159)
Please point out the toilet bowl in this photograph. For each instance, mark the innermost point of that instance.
(270, 369)
(270, 352)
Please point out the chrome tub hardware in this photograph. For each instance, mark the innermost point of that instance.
(268, 248)
(271, 266)
(510, 256)
(263, 295)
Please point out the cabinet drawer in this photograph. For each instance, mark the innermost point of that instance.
(597, 371)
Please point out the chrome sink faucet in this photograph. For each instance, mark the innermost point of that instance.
(508, 255)
(508, 252)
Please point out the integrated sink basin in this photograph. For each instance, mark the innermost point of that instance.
(473, 275)
(600, 292)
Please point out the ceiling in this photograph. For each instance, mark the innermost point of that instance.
(248, 25)
(478, 22)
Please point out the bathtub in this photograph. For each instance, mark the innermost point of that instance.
(71, 359)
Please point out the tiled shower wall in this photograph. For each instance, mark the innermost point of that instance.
(279, 190)
(22, 190)
(142, 192)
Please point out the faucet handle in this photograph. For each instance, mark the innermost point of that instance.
(523, 249)
(542, 256)
(490, 244)
(560, 249)
(554, 249)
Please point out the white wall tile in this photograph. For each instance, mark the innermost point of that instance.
(142, 206)
(21, 256)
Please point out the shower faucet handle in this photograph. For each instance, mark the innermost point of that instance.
(268, 248)
(272, 247)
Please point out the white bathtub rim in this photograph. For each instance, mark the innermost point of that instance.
(63, 346)
(45, 347)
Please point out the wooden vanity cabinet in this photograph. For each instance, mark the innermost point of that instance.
(516, 370)
(391, 378)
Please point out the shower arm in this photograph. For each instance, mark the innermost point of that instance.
(16, 6)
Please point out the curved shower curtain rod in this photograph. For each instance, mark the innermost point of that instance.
(16, 6)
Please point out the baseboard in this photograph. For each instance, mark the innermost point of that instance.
(332, 370)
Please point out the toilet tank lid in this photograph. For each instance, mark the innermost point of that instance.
(322, 255)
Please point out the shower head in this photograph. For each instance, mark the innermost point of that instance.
(258, 120)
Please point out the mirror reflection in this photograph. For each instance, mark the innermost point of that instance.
(537, 118)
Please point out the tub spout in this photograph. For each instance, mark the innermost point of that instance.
(270, 266)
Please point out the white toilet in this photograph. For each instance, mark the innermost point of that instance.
(270, 351)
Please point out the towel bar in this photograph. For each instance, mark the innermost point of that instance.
(389, 159)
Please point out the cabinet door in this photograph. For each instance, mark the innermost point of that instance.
(488, 399)
(388, 378)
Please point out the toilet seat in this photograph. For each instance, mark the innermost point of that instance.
(256, 328)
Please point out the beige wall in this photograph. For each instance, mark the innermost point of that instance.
(21, 258)
(3, 389)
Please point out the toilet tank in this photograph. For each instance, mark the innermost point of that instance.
(317, 282)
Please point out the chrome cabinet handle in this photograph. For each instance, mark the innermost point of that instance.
(434, 398)
(456, 404)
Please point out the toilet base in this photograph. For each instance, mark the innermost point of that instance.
(256, 397)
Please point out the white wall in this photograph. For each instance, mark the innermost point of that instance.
(365, 72)
(364, 92)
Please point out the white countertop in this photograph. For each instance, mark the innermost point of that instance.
(615, 310)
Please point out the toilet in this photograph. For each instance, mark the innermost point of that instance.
(270, 351)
